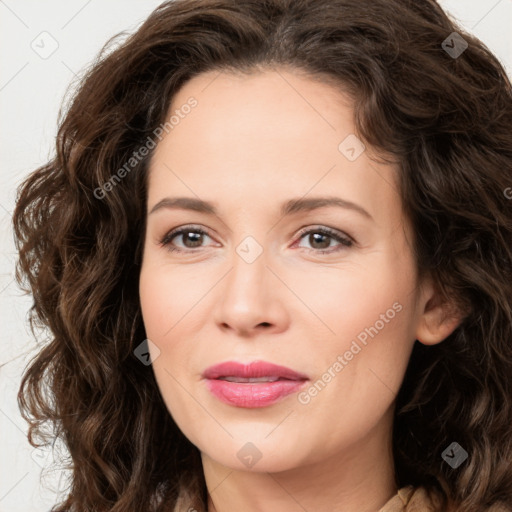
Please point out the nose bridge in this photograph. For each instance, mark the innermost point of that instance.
(249, 293)
(251, 244)
(249, 268)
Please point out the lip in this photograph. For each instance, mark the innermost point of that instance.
(254, 369)
(252, 394)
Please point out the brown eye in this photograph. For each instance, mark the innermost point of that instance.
(320, 240)
(191, 238)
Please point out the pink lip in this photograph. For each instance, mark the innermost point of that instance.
(252, 394)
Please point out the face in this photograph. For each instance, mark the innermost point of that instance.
(265, 274)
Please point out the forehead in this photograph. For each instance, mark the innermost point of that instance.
(253, 138)
(274, 105)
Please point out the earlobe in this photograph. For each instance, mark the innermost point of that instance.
(438, 319)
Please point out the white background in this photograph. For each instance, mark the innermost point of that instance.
(31, 91)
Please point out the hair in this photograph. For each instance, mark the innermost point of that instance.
(447, 123)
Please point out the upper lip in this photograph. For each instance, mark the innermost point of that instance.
(253, 369)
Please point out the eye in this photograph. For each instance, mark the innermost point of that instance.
(192, 237)
(322, 237)
(189, 235)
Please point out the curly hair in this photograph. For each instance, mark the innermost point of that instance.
(446, 119)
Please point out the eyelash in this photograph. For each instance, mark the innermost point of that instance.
(344, 241)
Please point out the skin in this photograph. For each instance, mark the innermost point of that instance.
(250, 144)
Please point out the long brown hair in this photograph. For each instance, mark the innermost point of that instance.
(446, 118)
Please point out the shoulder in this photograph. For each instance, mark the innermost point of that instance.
(421, 499)
(411, 499)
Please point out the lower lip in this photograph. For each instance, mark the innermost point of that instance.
(255, 394)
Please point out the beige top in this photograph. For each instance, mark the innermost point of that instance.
(411, 499)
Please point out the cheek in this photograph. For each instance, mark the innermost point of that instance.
(159, 304)
(170, 304)
(350, 300)
(162, 307)
(168, 295)
(370, 314)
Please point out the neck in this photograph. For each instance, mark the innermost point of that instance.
(357, 479)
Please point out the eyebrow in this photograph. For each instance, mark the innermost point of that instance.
(288, 208)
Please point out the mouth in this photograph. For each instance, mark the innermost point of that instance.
(257, 384)
(252, 370)
(252, 379)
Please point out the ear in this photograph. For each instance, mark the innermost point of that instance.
(437, 318)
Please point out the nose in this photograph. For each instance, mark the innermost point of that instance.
(251, 298)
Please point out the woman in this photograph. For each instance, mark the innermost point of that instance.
(202, 357)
